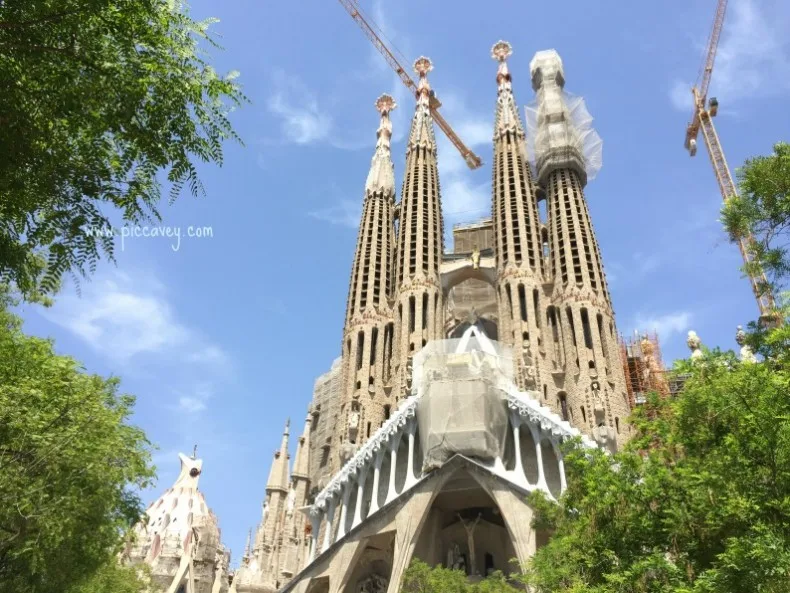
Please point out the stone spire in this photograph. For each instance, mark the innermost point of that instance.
(507, 118)
(301, 465)
(381, 177)
(278, 474)
(591, 375)
(368, 332)
(293, 553)
(418, 295)
(517, 236)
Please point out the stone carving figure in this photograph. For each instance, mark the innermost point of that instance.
(530, 382)
(353, 426)
(747, 355)
(290, 502)
(604, 435)
(476, 258)
(470, 541)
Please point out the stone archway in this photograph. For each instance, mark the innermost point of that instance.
(373, 566)
(463, 525)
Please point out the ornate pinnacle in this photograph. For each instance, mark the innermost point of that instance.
(422, 66)
(501, 51)
(385, 103)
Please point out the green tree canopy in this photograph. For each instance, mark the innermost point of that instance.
(421, 578)
(698, 502)
(763, 208)
(99, 97)
(70, 464)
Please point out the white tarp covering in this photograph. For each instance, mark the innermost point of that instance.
(462, 408)
(544, 136)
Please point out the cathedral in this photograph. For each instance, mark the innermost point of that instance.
(461, 372)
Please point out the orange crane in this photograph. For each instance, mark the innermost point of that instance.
(702, 119)
(353, 9)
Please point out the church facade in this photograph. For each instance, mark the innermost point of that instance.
(460, 372)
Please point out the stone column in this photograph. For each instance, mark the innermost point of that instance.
(315, 524)
(374, 500)
(539, 455)
(363, 473)
(560, 464)
(330, 517)
(341, 529)
(393, 444)
(410, 480)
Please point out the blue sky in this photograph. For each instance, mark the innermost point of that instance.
(222, 339)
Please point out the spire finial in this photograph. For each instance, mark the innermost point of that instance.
(247, 547)
(422, 66)
(501, 51)
(194, 452)
(385, 103)
(287, 426)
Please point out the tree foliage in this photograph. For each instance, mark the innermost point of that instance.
(69, 464)
(99, 97)
(698, 502)
(421, 578)
(111, 577)
(763, 208)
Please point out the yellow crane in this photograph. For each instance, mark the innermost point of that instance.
(472, 160)
(702, 119)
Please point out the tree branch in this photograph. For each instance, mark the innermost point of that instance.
(58, 16)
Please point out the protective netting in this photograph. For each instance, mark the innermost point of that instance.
(462, 386)
(561, 120)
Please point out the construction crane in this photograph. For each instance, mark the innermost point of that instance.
(702, 119)
(472, 160)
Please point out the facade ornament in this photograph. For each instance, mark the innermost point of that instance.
(747, 355)
(694, 344)
(475, 258)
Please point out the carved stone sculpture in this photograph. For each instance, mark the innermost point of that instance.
(747, 355)
(694, 344)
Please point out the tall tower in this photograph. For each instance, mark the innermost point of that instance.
(595, 395)
(518, 242)
(368, 334)
(294, 552)
(418, 296)
(268, 539)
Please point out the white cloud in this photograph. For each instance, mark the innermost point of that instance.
(302, 121)
(344, 213)
(753, 57)
(122, 318)
(191, 405)
(664, 325)
(754, 53)
(680, 96)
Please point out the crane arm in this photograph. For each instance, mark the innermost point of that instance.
(351, 8)
(713, 46)
(472, 160)
(701, 91)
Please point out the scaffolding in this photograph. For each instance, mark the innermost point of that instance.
(644, 368)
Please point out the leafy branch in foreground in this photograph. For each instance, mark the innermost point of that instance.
(70, 467)
(763, 209)
(99, 98)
